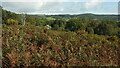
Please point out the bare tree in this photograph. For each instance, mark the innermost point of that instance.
(23, 18)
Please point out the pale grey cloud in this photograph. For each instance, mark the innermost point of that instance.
(28, 7)
(56, 0)
(93, 4)
(54, 7)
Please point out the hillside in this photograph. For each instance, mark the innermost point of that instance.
(68, 41)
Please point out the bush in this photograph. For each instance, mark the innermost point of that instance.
(12, 22)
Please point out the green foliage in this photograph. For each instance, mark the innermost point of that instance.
(50, 18)
(106, 29)
(90, 30)
(58, 24)
(74, 24)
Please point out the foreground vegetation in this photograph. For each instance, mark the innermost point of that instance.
(33, 46)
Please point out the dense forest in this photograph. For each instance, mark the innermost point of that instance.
(60, 40)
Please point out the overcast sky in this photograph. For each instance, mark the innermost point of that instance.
(61, 6)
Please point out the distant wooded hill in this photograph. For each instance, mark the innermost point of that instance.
(87, 15)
